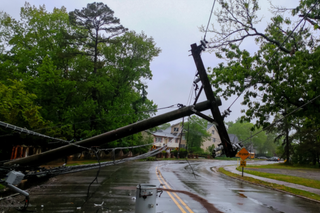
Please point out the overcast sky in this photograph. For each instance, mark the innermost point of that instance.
(174, 25)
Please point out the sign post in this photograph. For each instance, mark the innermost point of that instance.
(243, 154)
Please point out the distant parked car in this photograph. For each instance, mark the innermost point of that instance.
(273, 159)
(263, 158)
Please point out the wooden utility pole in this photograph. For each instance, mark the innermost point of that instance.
(218, 119)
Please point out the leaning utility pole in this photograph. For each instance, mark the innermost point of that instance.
(196, 50)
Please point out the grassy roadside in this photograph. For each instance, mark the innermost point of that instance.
(287, 178)
(285, 166)
(272, 185)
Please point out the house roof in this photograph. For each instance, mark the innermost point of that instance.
(209, 125)
(167, 130)
(163, 134)
(175, 124)
(233, 138)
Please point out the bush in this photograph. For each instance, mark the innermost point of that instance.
(151, 159)
(182, 153)
(198, 151)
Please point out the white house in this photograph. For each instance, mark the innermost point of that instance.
(213, 139)
(171, 137)
(164, 137)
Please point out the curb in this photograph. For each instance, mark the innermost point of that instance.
(317, 201)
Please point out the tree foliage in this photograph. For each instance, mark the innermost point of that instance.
(195, 132)
(83, 71)
(17, 106)
(283, 74)
(262, 143)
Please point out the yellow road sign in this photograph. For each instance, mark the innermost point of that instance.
(243, 163)
(243, 153)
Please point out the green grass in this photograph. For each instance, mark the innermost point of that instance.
(287, 178)
(285, 166)
(2, 186)
(233, 158)
(272, 185)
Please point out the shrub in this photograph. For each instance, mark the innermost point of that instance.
(182, 153)
(151, 159)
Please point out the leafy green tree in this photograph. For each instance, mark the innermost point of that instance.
(100, 27)
(306, 142)
(17, 107)
(210, 148)
(195, 132)
(272, 81)
(85, 83)
(244, 131)
(309, 10)
(270, 147)
(282, 130)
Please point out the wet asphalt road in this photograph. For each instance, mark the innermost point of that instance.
(116, 189)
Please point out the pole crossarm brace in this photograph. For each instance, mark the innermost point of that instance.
(211, 120)
(215, 102)
(113, 135)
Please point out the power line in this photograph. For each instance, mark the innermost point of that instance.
(29, 132)
(274, 123)
(79, 168)
(205, 34)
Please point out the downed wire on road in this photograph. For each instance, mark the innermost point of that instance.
(71, 169)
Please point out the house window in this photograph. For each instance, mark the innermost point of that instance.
(213, 132)
(177, 140)
(175, 129)
(213, 139)
(158, 139)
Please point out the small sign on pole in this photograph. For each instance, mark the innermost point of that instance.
(243, 154)
(243, 163)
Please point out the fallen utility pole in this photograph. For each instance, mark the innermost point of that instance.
(113, 135)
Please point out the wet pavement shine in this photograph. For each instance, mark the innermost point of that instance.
(116, 188)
